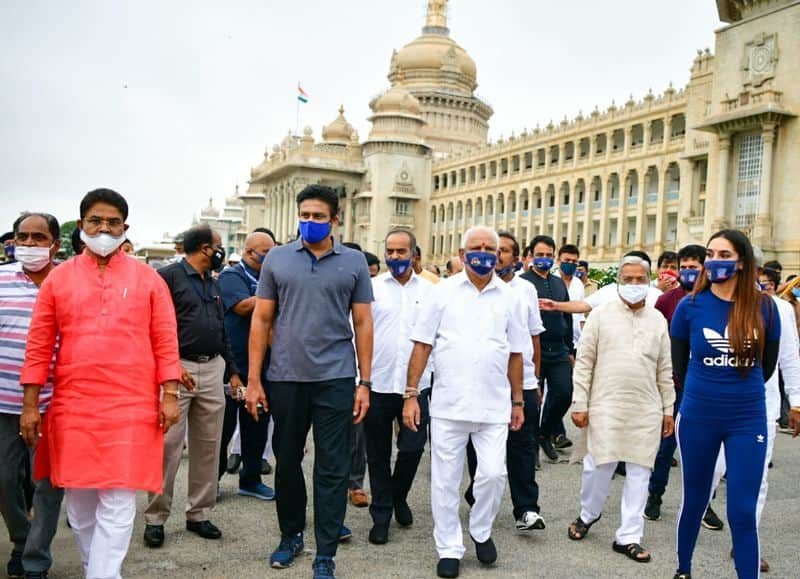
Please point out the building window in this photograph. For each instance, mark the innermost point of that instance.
(748, 180)
(402, 207)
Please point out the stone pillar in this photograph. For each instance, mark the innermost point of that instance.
(661, 211)
(762, 230)
(347, 215)
(720, 207)
(603, 233)
(641, 218)
(685, 198)
(647, 134)
(609, 144)
(667, 130)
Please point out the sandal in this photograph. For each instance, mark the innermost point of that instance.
(578, 529)
(632, 551)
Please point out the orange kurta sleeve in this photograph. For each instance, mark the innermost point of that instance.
(164, 332)
(41, 338)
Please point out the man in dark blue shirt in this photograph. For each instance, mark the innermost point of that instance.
(238, 288)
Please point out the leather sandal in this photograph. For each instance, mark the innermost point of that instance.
(578, 529)
(632, 551)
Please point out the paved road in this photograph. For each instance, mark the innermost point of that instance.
(250, 533)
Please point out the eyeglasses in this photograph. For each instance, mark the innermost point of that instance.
(113, 223)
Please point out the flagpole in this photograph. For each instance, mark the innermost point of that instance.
(297, 113)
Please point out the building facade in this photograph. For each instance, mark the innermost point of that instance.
(652, 174)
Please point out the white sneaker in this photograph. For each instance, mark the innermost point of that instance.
(530, 521)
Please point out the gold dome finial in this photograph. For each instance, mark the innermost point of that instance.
(437, 14)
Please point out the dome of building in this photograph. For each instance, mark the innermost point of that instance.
(338, 131)
(434, 52)
(397, 100)
(209, 210)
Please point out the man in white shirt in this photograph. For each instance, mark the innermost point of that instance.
(522, 447)
(568, 257)
(399, 296)
(471, 325)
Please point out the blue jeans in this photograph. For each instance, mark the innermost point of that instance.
(660, 476)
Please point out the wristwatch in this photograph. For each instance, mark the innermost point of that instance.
(518, 403)
(366, 384)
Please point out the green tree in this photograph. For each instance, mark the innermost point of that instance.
(66, 238)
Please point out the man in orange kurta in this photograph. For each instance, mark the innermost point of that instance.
(103, 436)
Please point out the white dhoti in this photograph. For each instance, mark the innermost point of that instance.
(448, 448)
(595, 486)
(102, 520)
(721, 467)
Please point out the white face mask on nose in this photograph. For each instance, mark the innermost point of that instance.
(33, 258)
(633, 294)
(102, 244)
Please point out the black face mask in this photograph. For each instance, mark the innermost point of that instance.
(217, 258)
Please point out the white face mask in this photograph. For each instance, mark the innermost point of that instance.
(102, 244)
(633, 294)
(33, 258)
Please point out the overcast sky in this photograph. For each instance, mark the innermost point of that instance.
(171, 103)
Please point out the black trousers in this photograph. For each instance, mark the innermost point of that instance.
(390, 487)
(558, 398)
(329, 407)
(254, 439)
(522, 447)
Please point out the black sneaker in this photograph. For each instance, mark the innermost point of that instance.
(14, 567)
(712, 521)
(546, 444)
(154, 536)
(403, 514)
(486, 551)
(448, 568)
(233, 464)
(379, 534)
(561, 442)
(652, 511)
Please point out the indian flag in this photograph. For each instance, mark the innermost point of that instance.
(302, 95)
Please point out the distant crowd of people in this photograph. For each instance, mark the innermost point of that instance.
(110, 369)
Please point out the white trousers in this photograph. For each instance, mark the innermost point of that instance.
(448, 448)
(595, 487)
(102, 521)
(721, 467)
(236, 441)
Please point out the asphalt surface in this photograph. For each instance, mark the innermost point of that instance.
(249, 529)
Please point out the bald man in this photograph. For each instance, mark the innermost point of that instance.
(238, 287)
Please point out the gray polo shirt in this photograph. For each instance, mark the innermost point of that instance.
(312, 337)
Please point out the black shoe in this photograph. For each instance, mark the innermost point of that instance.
(154, 536)
(546, 444)
(402, 514)
(379, 534)
(204, 528)
(486, 551)
(712, 521)
(266, 467)
(234, 461)
(14, 567)
(621, 470)
(447, 567)
(652, 511)
(561, 442)
(36, 575)
(679, 575)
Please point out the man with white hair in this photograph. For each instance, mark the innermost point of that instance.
(471, 326)
(623, 397)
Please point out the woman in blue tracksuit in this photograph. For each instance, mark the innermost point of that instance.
(724, 346)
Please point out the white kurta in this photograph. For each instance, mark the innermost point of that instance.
(623, 377)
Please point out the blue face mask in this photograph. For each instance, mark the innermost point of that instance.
(314, 232)
(796, 292)
(9, 250)
(688, 277)
(260, 257)
(518, 266)
(398, 266)
(543, 263)
(481, 262)
(580, 274)
(505, 271)
(568, 269)
(720, 270)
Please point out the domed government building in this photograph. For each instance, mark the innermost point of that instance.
(656, 174)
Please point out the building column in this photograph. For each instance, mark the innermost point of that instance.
(762, 230)
(641, 218)
(685, 198)
(347, 215)
(609, 144)
(667, 130)
(721, 209)
(661, 212)
(647, 133)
